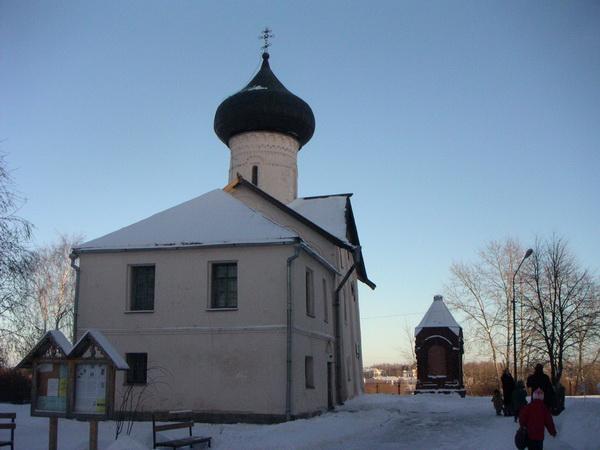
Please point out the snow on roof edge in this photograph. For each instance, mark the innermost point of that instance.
(61, 340)
(180, 245)
(110, 351)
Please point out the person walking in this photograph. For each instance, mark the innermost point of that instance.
(497, 401)
(508, 386)
(535, 417)
(519, 398)
(538, 379)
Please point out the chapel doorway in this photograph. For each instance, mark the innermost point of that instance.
(436, 360)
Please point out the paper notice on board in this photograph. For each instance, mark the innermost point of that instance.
(90, 388)
(52, 387)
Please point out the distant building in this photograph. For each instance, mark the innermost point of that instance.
(370, 372)
(439, 350)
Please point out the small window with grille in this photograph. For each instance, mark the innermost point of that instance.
(138, 368)
(224, 285)
(309, 375)
(141, 281)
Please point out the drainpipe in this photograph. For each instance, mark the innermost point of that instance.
(338, 337)
(288, 391)
(74, 257)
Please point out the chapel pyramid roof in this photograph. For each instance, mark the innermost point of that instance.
(438, 316)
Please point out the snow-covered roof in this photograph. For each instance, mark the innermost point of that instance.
(72, 351)
(438, 316)
(101, 341)
(329, 212)
(61, 340)
(214, 218)
(53, 337)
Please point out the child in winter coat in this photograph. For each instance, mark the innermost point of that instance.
(497, 401)
(535, 417)
(519, 398)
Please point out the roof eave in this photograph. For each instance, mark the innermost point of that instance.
(79, 251)
(361, 270)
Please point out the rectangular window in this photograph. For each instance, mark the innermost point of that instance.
(345, 307)
(224, 285)
(142, 288)
(309, 372)
(310, 293)
(138, 367)
(325, 303)
(348, 368)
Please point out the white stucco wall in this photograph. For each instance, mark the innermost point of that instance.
(312, 336)
(209, 360)
(275, 155)
(215, 359)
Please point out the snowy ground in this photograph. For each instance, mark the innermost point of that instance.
(375, 421)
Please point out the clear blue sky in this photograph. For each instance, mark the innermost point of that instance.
(454, 123)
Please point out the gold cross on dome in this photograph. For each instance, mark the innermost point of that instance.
(265, 35)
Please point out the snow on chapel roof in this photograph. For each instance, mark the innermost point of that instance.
(438, 316)
(215, 218)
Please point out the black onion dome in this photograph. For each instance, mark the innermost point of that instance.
(265, 105)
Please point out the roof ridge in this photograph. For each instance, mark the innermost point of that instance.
(347, 194)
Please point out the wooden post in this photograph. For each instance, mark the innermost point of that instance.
(93, 435)
(53, 434)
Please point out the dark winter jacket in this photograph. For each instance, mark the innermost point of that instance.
(535, 417)
(508, 386)
(540, 380)
(519, 398)
(497, 401)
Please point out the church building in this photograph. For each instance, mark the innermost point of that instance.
(242, 303)
(439, 350)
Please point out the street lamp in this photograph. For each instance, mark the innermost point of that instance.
(514, 308)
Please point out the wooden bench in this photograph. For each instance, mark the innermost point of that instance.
(8, 426)
(175, 443)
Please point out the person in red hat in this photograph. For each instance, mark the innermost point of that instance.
(535, 417)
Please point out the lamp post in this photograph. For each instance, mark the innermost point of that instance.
(514, 308)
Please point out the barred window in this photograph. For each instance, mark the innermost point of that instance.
(142, 288)
(224, 285)
(325, 302)
(309, 376)
(310, 293)
(138, 367)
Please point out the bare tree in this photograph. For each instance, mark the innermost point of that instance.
(468, 293)
(15, 258)
(408, 354)
(499, 262)
(483, 292)
(562, 302)
(50, 294)
(587, 336)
